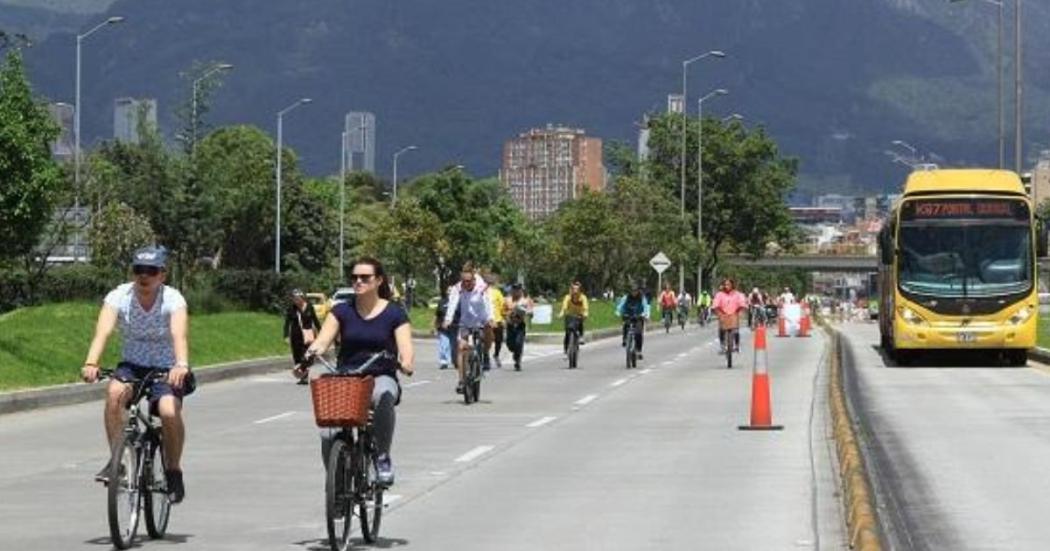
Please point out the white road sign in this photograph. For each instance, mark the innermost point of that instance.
(660, 262)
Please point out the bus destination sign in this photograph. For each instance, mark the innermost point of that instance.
(936, 209)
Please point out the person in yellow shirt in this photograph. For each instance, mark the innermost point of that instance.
(496, 298)
(575, 306)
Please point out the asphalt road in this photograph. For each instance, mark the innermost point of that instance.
(960, 447)
(595, 458)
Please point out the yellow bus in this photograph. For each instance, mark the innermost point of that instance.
(957, 266)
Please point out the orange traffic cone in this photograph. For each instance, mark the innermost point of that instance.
(781, 324)
(761, 404)
(804, 323)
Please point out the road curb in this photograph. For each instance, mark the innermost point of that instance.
(1040, 355)
(77, 393)
(862, 523)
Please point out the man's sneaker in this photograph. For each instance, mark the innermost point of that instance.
(176, 490)
(517, 366)
(103, 475)
(443, 366)
(384, 471)
(640, 356)
(459, 388)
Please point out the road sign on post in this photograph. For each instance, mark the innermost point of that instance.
(660, 262)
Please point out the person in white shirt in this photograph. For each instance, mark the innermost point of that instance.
(470, 298)
(153, 322)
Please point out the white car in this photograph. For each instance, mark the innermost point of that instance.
(341, 295)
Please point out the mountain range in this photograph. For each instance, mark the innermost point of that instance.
(834, 82)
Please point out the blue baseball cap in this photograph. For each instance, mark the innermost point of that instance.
(151, 256)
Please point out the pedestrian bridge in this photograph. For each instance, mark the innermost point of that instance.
(813, 262)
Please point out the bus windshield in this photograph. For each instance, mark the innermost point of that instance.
(948, 259)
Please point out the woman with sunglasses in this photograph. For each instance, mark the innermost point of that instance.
(367, 324)
(153, 321)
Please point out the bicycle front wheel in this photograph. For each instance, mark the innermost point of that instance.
(123, 493)
(156, 500)
(574, 349)
(339, 496)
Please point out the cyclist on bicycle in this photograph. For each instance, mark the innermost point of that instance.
(634, 305)
(756, 310)
(153, 322)
(668, 303)
(368, 323)
(685, 303)
(704, 306)
(576, 306)
(470, 298)
(517, 308)
(727, 305)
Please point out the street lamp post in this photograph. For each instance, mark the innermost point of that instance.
(193, 124)
(1000, 6)
(393, 197)
(346, 166)
(1018, 88)
(280, 147)
(733, 117)
(700, 183)
(685, 121)
(76, 128)
(914, 151)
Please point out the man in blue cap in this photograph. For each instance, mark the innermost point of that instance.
(153, 321)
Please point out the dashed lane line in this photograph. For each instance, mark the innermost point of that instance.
(586, 400)
(474, 454)
(275, 417)
(618, 382)
(540, 422)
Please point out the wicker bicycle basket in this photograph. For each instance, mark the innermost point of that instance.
(341, 401)
(729, 321)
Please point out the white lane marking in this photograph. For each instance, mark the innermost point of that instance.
(474, 454)
(667, 363)
(644, 371)
(682, 355)
(275, 417)
(271, 380)
(618, 383)
(586, 399)
(417, 383)
(540, 422)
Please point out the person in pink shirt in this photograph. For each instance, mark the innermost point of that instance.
(727, 305)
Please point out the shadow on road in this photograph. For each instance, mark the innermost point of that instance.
(140, 539)
(948, 359)
(381, 543)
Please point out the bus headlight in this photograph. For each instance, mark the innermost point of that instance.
(911, 316)
(1021, 316)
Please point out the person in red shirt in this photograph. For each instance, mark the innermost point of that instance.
(728, 305)
(668, 302)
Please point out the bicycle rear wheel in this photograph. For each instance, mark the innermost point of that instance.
(473, 366)
(370, 509)
(156, 501)
(631, 354)
(339, 495)
(730, 345)
(123, 493)
(574, 349)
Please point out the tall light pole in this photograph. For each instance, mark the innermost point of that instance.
(916, 158)
(733, 117)
(685, 122)
(193, 123)
(1000, 5)
(393, 198)
(280, 147)
(700, 183)
(76, 128)
(1018, 87)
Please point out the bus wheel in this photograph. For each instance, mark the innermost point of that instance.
(1017, 358)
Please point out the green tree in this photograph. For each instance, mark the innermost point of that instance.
(116, 232)
(30, 181)
(746, 183)
(410, 239)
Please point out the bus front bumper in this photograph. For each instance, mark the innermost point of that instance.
(909, 336)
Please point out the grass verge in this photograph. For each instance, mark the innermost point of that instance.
(46, 345)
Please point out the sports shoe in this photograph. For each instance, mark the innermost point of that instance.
(459, 388)
(384, 471)
(640, 356)
(443, 366)
(103, 475)
(176, 490)
(517, 365)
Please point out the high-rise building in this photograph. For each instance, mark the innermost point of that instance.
(62, 147)
(361, 129)
(1040, 182)
(127, 112)
(545, 167)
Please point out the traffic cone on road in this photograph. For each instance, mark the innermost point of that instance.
(761, 404)
(781, 324)
(804, 323)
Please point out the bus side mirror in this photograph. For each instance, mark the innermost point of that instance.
(1041, 239)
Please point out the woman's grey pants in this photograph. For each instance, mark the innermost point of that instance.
(384, 396)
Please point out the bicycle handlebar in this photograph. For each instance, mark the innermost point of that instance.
(384, 355)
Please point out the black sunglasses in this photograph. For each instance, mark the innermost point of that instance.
(363, 278)
(145, 270)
